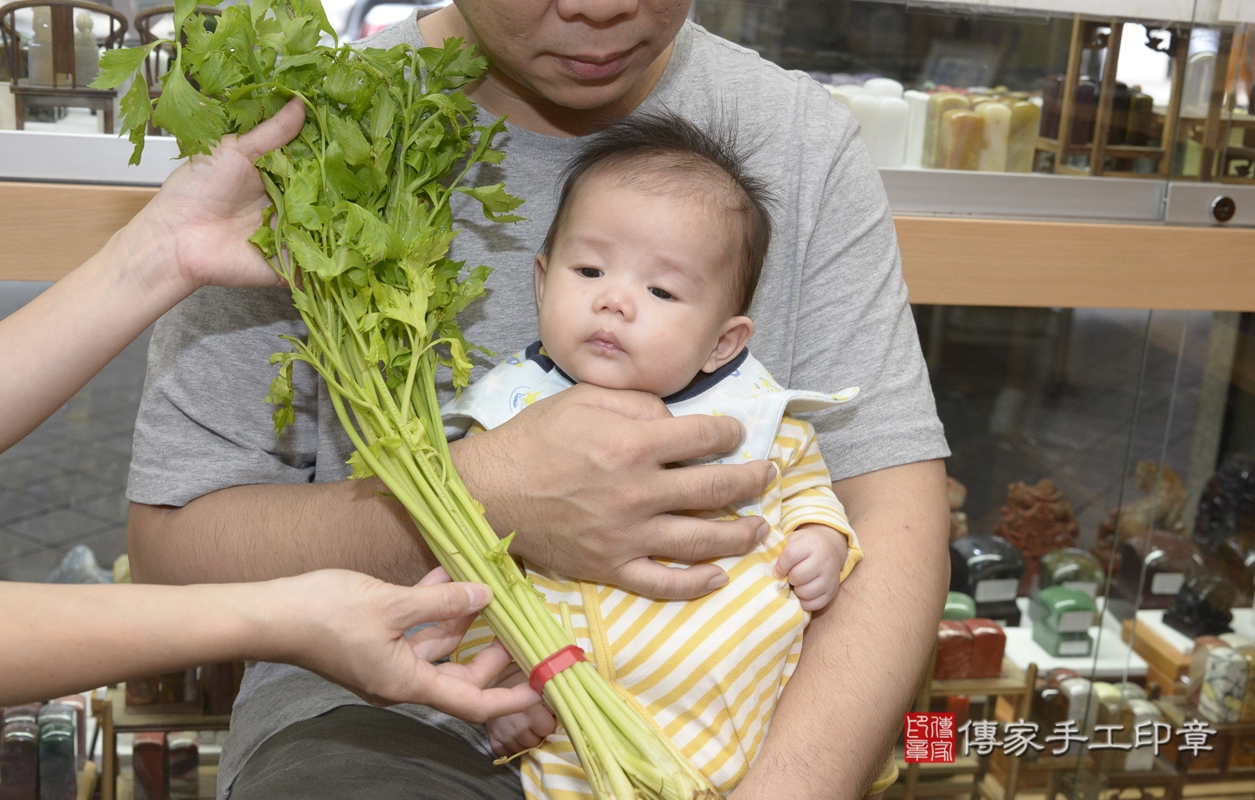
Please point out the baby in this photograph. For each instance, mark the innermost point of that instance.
(643, 283)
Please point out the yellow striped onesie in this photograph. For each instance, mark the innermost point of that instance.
(708, 671)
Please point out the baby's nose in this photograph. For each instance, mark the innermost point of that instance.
(616, 301)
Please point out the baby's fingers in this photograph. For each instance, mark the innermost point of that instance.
(790, 558)
(805, 570)
(815, 595)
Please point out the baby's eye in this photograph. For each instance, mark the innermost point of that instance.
(661, 293)
(589, 272)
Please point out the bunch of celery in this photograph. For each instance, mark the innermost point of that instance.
(361, 228)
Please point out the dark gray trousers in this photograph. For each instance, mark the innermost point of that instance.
(364, 753)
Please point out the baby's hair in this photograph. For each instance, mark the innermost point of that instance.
(664, 153)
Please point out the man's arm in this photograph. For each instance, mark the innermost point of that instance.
(863, 657)
(265, 531)
(598, 510)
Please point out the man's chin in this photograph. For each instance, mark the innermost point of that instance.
(586, 96)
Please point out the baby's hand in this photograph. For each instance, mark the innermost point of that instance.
(521, 731)
(813, 558)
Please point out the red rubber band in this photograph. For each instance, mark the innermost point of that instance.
(566, 657)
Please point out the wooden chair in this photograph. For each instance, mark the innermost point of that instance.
(66, 87)
(159, 59)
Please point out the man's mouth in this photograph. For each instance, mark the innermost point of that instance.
(590, 67)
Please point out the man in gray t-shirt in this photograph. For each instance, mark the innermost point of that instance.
(217, 497)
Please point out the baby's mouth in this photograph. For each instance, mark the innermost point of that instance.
(605, 340)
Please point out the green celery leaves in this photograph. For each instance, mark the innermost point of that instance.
(118, 65)
(361, 225)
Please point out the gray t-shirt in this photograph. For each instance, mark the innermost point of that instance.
(830, 311)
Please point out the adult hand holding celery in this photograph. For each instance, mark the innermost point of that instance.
(360, 229)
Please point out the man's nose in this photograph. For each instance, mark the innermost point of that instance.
(597, 11)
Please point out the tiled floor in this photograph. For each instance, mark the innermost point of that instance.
(65, 484)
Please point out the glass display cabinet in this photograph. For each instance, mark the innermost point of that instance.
(1071, 185)
(1077, 175)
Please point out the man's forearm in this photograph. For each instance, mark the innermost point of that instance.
(248, 533)
(863, 657)
(262, 531)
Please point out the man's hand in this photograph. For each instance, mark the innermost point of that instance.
(583, 478)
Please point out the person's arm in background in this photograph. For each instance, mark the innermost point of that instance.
(347, 627)
(863, 656)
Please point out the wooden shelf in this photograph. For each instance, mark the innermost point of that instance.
(1229, 760)
(966, 776)
(1166, 663)
(1163, 775)
(133, 719)
(1010, 683)
(114, 717)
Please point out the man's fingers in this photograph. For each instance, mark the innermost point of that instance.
(694, 436)
(274, 132)
(624, 402)
(693, 539)
(710, 487)
(434, 642)
(651, 579)
(487, 666)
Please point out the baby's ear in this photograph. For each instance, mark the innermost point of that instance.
(732, 338)
(541, 264)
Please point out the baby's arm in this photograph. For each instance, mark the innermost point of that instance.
(521, 731)
(821, 547)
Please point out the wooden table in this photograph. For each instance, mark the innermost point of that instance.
(114, 717)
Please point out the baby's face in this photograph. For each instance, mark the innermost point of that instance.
(633, 294)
